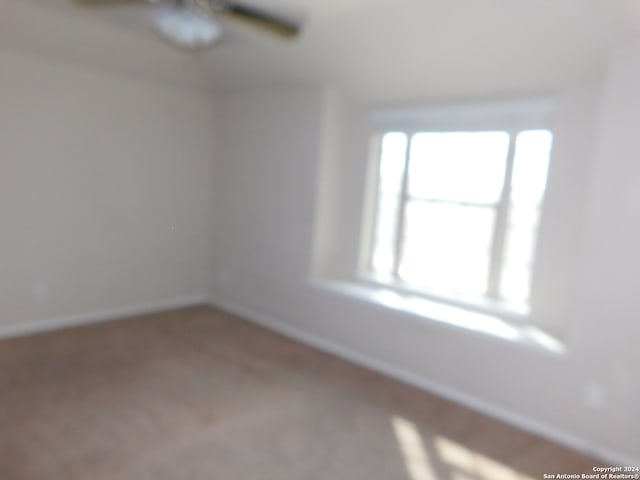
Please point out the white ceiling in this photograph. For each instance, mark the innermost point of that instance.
(383, 50)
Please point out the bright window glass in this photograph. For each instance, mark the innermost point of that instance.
(457, 213)
(392, 160)
(528, 184)
(446, 246)
(458, 166)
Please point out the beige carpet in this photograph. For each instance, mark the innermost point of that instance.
(200, 395)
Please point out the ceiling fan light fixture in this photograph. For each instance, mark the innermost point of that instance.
(187, 28)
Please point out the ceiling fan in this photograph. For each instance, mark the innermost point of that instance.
(194, 24)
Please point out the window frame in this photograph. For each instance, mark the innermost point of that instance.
(509, 117)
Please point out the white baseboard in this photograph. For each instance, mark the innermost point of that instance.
(513, 418)
(109, 314)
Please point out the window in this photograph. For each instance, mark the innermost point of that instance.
(457, 211)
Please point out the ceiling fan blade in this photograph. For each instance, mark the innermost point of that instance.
(268, 21)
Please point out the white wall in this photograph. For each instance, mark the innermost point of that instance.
(273, 149)
(269, 144)
(607, 315)
(105, 186)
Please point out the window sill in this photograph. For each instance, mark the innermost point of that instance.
(512, 312)
(525, 334)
